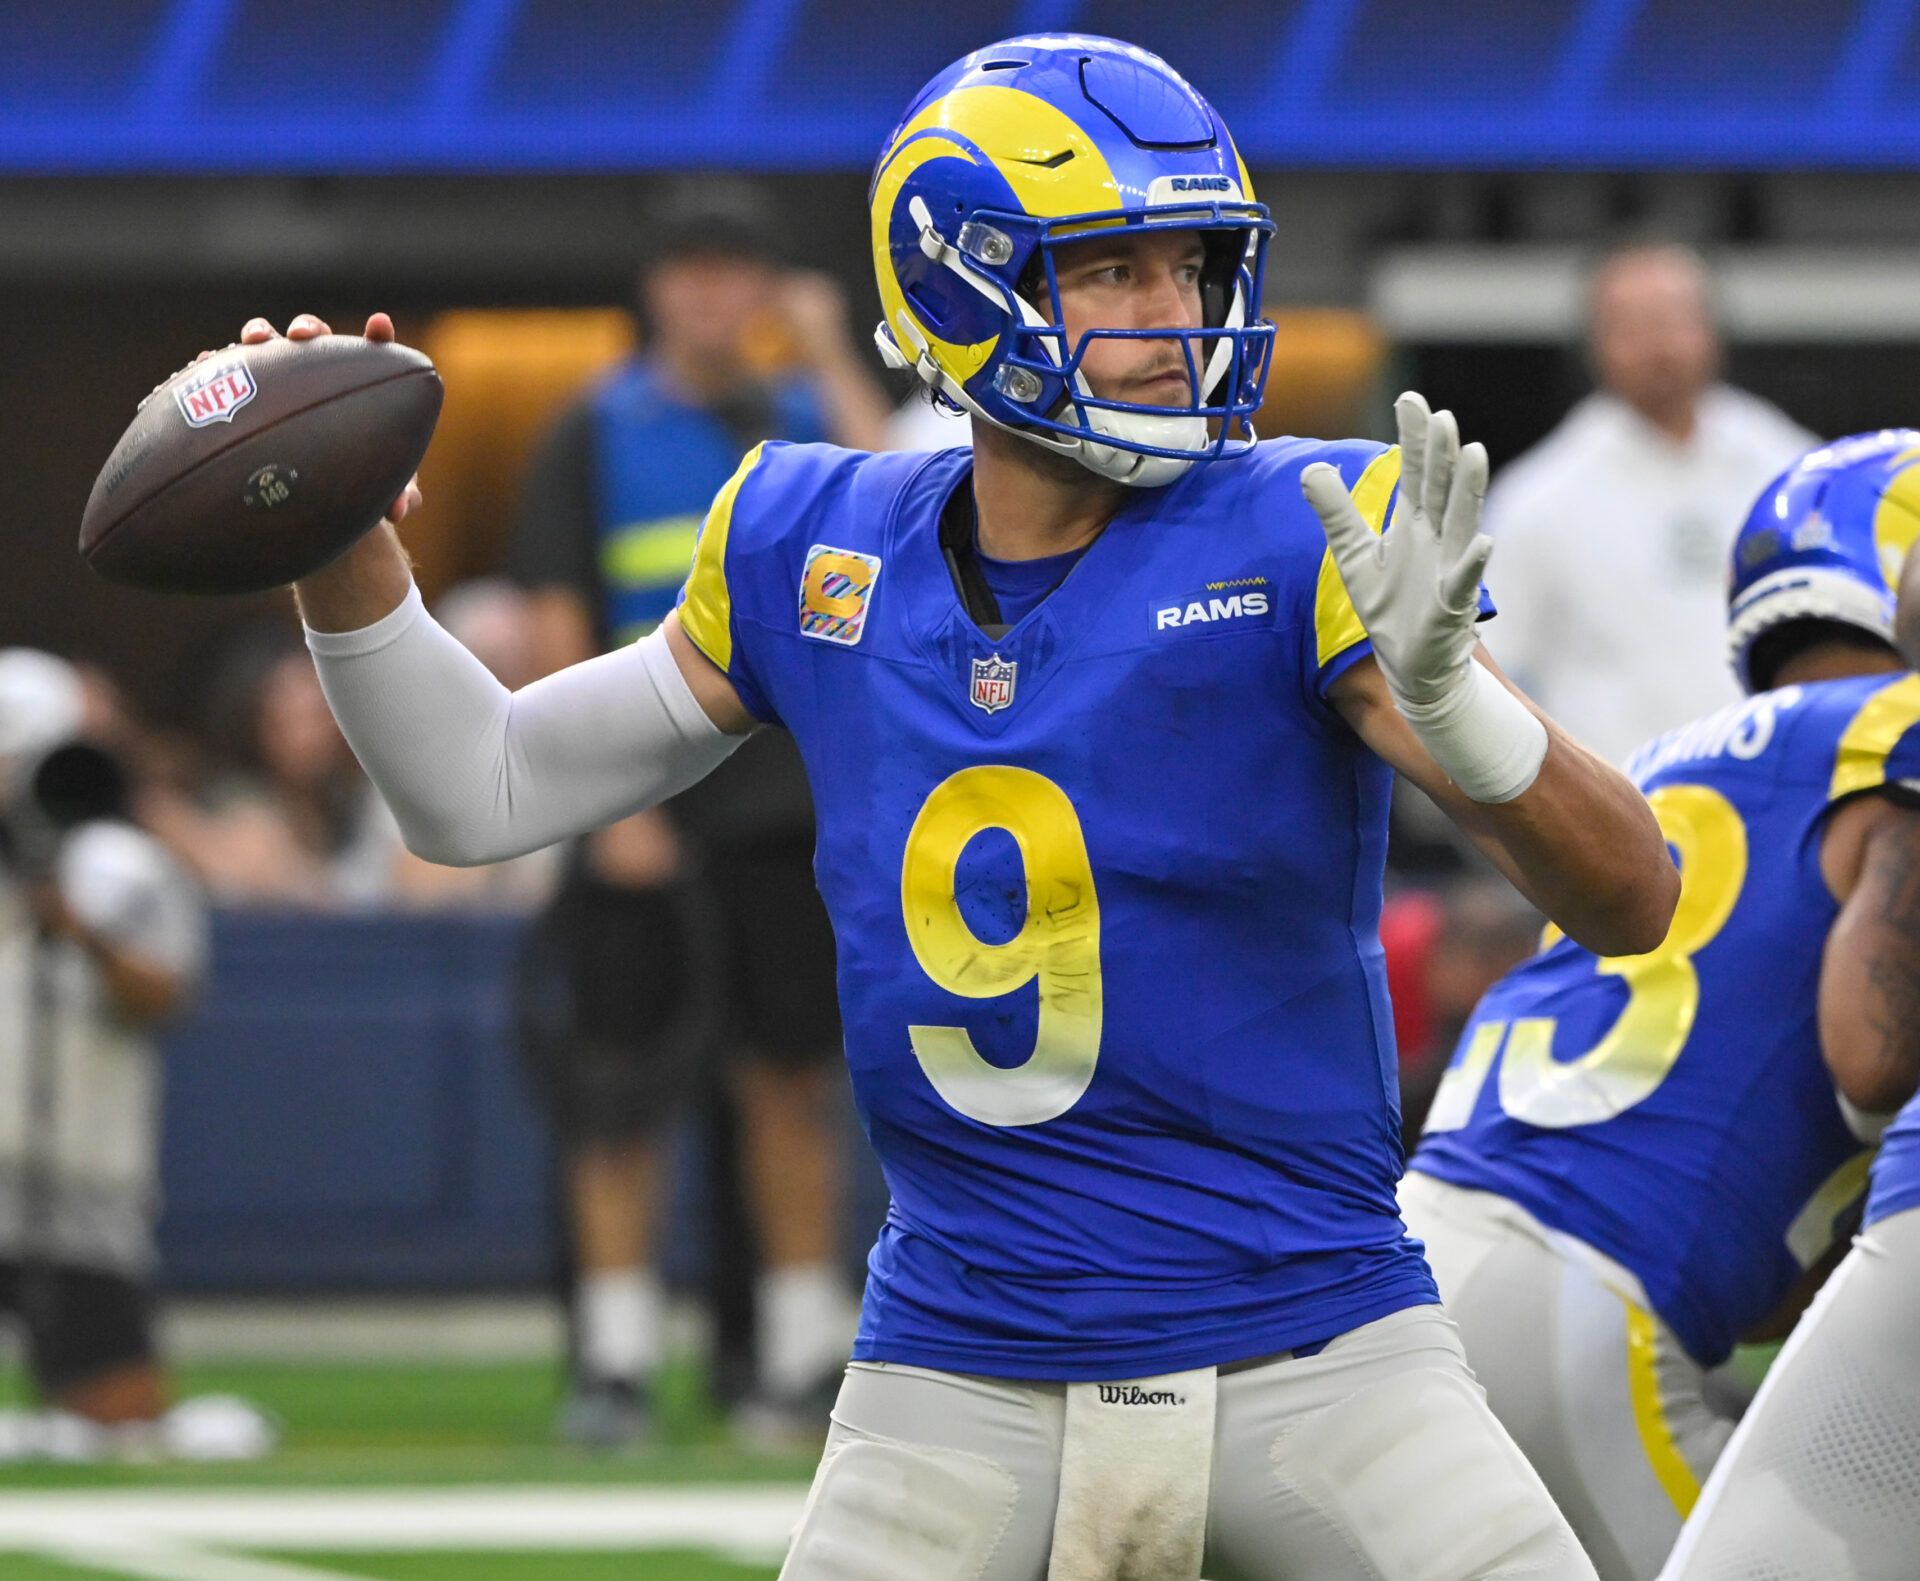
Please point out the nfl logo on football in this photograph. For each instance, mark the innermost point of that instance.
(993, 683)
(214, 392)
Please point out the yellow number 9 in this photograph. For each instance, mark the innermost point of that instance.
(1663, 990)
(1058, 943)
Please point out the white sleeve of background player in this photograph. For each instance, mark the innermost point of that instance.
(1531, 584)
(475, 773)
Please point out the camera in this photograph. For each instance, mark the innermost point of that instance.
(74, 783)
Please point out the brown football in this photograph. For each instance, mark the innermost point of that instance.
(260, 464)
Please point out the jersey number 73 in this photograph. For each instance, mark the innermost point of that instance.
(1663, 993)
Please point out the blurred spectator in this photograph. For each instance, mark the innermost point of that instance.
(604, 541)
(1613, 532)
(102, 938)
(288, 818)
(492, 618)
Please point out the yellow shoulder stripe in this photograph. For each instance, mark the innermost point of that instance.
(1861, 761)
(706, 612)
(1336, 623)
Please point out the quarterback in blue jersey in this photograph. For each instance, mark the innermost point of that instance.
(1100, 717)
(1632, 1162)
(1820, 1478)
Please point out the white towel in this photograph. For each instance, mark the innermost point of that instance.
(1135, 1467)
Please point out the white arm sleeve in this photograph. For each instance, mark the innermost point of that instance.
(475, 773)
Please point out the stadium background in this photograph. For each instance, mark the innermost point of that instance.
(358, 1220)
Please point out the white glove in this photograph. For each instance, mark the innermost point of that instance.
(1416, 590)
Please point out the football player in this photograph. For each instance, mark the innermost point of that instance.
(1100, 725)
(1822, 1477)
(1634, 1160)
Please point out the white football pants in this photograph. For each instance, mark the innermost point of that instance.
(1375, 1459)
(1823, 1478)
(1591, 1384)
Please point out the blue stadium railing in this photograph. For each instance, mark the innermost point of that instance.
(191, 85)
(344, 1112)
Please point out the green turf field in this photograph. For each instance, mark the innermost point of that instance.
(416, 1473)
(653, 1565)
(410, 1473)
(678, 1565)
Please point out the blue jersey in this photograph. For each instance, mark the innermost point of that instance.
(1896, 1172)
(1672, 1109)
(1105, 893)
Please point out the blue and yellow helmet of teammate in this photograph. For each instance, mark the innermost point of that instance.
(1031, 144)
(1825, 541)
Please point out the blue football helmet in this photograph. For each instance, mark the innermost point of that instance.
(1029, 145)
(1825, 541)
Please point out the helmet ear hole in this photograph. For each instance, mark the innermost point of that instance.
(1219, 270)
(1033, 278)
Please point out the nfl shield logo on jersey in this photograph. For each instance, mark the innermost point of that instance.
(993, 683)
(214, 391)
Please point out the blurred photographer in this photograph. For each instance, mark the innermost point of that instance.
(102, 938)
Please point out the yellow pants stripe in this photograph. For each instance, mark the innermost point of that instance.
(1649, 1414)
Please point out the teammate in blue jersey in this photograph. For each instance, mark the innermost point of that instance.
(1632, 1161)
(1822, 1478)
(1100, 722)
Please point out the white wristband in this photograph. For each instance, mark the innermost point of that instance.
(1489, 742)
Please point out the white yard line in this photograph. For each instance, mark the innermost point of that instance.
(437, 1330)
(147, 1559)
(747, 1522)
(427, 1329)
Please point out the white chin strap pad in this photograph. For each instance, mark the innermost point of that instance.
(1141, 428)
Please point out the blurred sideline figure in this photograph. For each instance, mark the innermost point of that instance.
(1613, 530)
(1634, 1163)
(603, 544)
(1823, 1476)
(102, 938)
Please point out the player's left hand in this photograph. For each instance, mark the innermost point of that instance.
(1416, 586)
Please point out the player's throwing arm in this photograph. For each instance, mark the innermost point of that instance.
(1570, 831)
(475, 773)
